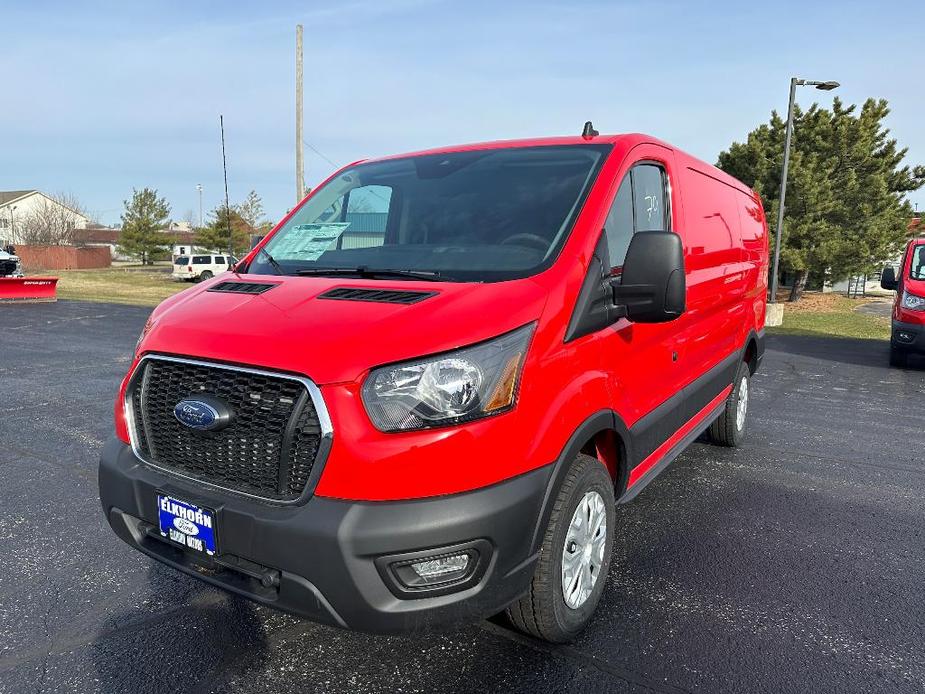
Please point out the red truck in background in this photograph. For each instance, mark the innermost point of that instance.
(419, 398)
(908, 326)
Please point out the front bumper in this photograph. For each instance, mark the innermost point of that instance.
(909, 337)
(327, 559)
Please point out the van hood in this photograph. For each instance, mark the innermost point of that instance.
(289, 328)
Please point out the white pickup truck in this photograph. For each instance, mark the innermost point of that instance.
(10, 266)
(193, 268)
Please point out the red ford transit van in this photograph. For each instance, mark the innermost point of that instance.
(908, 333)
(419, 398)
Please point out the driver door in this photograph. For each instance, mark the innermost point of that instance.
(643, 360)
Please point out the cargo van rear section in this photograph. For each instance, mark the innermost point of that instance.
(417, 401)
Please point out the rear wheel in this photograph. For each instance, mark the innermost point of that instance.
(729, 428)
(205, 275)
(898, 358)
(574, 557)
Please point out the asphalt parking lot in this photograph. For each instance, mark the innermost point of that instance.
(794, 564)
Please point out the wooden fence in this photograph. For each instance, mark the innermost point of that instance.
(63, 257)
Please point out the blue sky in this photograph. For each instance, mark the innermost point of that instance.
(98, 98)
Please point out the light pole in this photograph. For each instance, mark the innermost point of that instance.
(199, 188)
(794, 83)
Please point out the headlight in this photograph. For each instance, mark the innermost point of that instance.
(451, 388)
(144, 331)
(913, 302)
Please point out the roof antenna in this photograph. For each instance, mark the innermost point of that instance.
(221, 123)
(588, 131)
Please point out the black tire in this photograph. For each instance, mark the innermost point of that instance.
(727, 430)
(205, 275)
(898, 358)
(543, 611)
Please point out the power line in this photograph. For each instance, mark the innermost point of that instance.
(337, 166)
(315, 150)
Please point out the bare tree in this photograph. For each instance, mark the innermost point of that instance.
(251, 210)
(52, 222)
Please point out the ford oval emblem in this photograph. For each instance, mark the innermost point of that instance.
(204, 413)
(185, 526)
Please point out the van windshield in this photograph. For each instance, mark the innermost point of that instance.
(484, 215)
(917, 270)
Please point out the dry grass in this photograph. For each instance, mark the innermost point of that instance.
(815, 302)
(833, 315)
(122, 285)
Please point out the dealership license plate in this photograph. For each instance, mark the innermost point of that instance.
(187, 524)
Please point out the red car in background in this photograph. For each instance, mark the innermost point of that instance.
(908, 329)
(417, 401)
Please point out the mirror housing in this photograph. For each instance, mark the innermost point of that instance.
(653, 287)
(888, 278)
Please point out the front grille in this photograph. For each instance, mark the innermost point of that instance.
(268, 449)
(379, 296)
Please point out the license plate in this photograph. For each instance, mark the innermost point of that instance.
(187, 524)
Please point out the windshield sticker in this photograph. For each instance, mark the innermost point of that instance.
(309, 241)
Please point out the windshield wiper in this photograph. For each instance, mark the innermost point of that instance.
(272, 261)
(373, 273)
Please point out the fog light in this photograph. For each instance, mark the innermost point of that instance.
(442, 568)
(435, 571)
(904, 336)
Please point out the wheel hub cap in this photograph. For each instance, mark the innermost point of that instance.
(583, 554)
(742, 404)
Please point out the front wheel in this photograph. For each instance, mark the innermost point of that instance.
(574, 558)
(729, 428)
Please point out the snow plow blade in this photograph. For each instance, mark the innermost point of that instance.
(31, 289)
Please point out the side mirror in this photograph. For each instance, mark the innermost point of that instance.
(888, 278)
(652, 288)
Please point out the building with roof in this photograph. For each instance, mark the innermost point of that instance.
(19, 210)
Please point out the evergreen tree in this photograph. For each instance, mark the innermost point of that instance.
(214, 236)
(144, 217)
(846, 210)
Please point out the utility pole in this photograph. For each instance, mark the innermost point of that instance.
(299, 169)
(199, 188)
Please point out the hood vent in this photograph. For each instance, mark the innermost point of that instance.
(379, 296)
(242, 287)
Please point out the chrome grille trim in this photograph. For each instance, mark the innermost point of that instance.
(324, 420)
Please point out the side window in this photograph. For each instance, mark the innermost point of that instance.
(367, 215)
(649, 198)
(219, 260)
(640, 205)
(620, 222)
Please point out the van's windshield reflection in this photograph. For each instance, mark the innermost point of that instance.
(482, 215)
